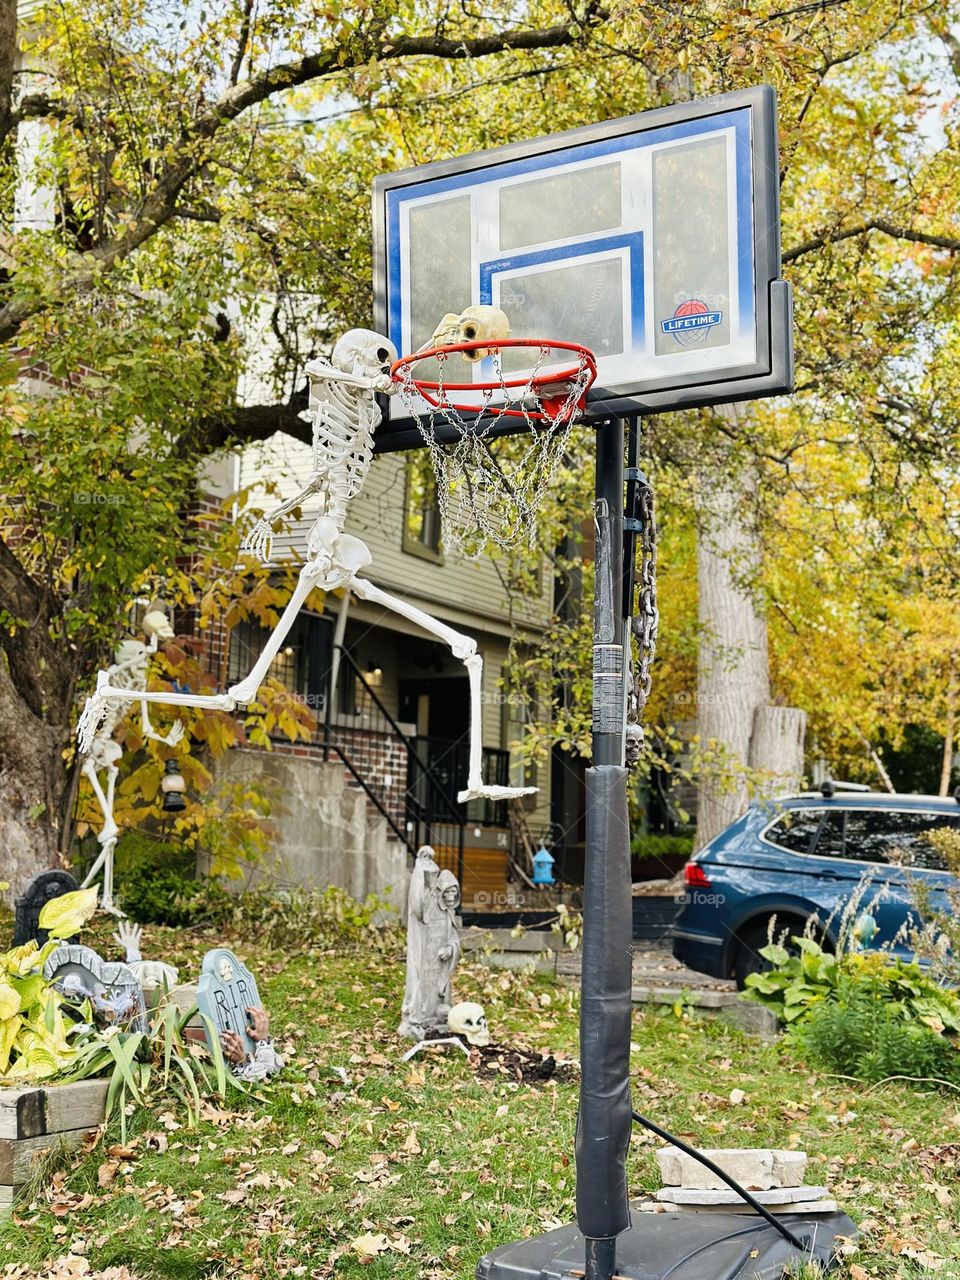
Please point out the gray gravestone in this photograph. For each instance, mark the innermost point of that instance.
(41, 890)
(111, 986)
(226, 990)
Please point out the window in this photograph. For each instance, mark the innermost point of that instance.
(421, 510)
(796, 830)
(897, 838)
(302, 665)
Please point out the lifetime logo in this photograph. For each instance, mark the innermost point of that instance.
(691, 321)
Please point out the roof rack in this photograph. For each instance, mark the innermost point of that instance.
(829, 787)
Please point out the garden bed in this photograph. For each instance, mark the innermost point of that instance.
(34, 1120)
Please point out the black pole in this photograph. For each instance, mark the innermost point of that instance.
(605, 1116)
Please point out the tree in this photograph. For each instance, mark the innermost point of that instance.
(207, 167)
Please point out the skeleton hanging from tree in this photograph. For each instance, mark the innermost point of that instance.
(102, 753)
(345, 413)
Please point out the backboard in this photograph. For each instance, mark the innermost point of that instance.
(652, 239)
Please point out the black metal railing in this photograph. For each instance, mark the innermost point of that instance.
(393, 768)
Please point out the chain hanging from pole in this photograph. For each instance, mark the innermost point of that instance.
(644, 621)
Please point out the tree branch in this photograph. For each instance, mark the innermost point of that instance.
(161, 204)
(247, 424)
(950, 243)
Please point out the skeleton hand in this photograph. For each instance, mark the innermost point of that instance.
(260, 1030)
(174, 736)
(91, 718)
(127, 938)
(233, 1049)
(259, 541)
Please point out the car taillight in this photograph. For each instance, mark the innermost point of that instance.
(695, 876)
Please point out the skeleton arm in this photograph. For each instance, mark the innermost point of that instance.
(170, 739)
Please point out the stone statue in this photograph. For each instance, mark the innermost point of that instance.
(433, 948)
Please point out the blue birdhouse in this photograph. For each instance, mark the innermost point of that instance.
(543, 867)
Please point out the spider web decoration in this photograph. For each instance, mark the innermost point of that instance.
(487, 498)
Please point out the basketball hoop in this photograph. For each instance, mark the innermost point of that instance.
(486, 497)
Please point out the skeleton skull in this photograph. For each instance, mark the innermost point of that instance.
(366, 354)
(156, 623)
(225, 970)
(477, 323)
(469, 1020)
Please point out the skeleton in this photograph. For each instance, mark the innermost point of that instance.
(345, 415)
(151, 974)
(470, 1021)
(128, 675)
(472, 325)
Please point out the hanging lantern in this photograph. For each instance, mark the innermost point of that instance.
(173, 786)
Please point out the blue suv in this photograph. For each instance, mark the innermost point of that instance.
(804, 856)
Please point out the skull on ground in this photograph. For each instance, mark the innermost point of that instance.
(470, 1021)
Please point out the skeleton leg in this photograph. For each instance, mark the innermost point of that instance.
(465, 649)
(108, 834)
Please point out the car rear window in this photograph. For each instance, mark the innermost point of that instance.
(796, 829)
(885, 837)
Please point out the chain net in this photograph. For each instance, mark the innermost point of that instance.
(491, 497)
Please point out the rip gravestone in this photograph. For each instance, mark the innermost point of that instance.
(42, 889)
(226, 990)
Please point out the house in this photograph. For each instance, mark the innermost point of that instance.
(392, 703)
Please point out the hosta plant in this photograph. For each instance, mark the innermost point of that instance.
(37, 1040)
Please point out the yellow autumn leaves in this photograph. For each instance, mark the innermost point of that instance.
(34, 1035)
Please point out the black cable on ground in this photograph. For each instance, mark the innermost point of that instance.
(754, 1204)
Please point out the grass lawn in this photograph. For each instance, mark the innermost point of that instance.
(415, 1170)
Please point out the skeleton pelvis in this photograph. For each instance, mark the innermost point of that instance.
(346, 553)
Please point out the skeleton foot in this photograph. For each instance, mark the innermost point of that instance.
(483, 792)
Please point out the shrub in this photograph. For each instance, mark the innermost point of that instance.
(864, 1015)
(857, 1034)
(157, 884)
(324, 919)
(660, 846)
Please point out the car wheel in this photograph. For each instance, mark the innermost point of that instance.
(748, 959)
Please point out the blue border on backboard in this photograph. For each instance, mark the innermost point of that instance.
(737, 119)
(631, 241)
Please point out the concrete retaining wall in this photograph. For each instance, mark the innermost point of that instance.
(327, 830)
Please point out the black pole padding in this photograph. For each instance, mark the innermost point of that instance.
(604, 1120)
(754, 1204)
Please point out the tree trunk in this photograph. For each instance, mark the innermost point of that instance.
(734, 715)
(776, 749)
(946, 770)
(34, 786)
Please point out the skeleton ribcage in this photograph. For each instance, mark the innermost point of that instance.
(345, 419)
(134, 677)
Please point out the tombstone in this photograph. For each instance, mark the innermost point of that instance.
(42, 889)
(79, 973)
(226, 990)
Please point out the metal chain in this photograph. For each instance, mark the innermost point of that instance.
(643, 624)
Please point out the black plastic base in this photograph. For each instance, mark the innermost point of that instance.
(683, 1246)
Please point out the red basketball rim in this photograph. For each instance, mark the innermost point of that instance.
(551, 406)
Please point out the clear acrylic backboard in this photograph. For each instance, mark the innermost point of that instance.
(653, 239)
